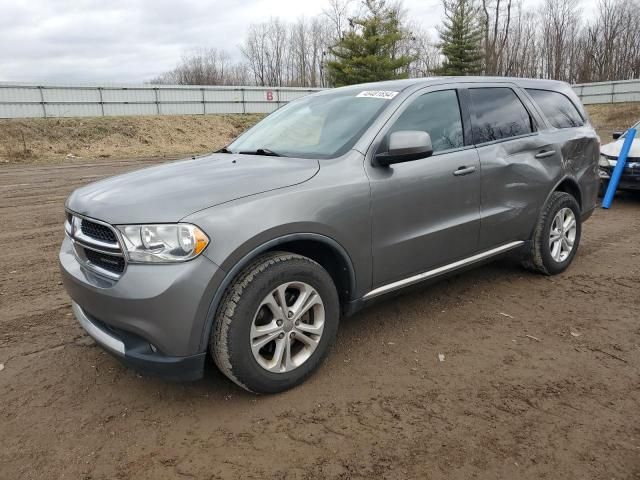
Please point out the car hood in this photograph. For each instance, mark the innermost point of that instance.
(171, 191)
(612, 150)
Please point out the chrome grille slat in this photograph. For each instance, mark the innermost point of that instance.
(97, 231)
(92, 242)
(94, 248)
(97, 245)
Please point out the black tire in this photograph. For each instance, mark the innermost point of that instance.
(539, 258)
(229, 344)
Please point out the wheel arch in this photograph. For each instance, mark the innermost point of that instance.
(323, 249)
(570, 186)
(566, 184)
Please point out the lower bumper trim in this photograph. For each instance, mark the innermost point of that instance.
(175, 369)
(103, 338)
(136, 353)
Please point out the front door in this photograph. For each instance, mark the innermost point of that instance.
(426, 212)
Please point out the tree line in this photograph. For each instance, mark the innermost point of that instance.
(358, 41)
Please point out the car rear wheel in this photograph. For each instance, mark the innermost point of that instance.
(276, 323)
(557, 235)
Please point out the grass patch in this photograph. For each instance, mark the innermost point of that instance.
(56, 139)
(614, 117)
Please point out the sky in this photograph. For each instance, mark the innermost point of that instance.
(132, 41)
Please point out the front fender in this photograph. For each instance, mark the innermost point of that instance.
(245, 259)
(333, 207)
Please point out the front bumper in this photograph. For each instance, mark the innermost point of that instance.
(152, 318)
(138, 354)
(630, 179)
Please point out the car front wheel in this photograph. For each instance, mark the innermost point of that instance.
(276, 323)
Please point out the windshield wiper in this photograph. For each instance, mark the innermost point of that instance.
(223, 150)
(262, 151)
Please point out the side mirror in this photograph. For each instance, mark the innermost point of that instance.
(617, 135)
(405, 146)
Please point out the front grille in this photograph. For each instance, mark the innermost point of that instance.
(111, 263)
(97, 231)
(96, 246)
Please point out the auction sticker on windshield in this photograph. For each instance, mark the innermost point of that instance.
(384, 94)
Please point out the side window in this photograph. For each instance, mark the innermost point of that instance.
(560, 111)
(499, 114)
(438, 114)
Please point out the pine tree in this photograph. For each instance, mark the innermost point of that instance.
(367, 52)
(460, 39)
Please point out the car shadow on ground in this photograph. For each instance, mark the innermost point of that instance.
(392, 308)
(381, 316)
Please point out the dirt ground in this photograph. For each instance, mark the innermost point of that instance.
(540, 378)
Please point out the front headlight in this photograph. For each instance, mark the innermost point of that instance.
(163, 243)
(604, 161)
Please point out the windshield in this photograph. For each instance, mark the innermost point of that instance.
(636, 127)
(316, 126)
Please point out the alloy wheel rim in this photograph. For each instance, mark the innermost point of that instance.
(287, 327)
(563, 234)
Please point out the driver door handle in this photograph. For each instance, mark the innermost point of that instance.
(545, 154)
(464, 171)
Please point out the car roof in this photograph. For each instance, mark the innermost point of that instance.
(400, 85)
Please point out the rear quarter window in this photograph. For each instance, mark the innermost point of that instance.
(498, 114)
(559, 110)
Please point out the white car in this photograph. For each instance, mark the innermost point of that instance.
(630, 179)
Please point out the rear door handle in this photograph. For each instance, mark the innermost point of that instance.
(464, 171)
(546, 154)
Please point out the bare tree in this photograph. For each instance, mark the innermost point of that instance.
(496, 22)
(308, 40)
(521, 54)
(555, 41)
(338, 13)
(561, 24)
(266, 49)
(424, 50)
(254, 50)
(205, 66)
(611, 43)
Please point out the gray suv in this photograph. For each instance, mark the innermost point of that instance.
(337, 199)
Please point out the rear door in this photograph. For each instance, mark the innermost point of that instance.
(426, 212)
(578, 143)
(519, 162)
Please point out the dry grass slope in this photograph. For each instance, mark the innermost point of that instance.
(609, 118)
(55, 140)
(58, 140)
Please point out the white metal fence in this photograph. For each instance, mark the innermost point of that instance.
(20, 100)
(609, 92)
(31, 100)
